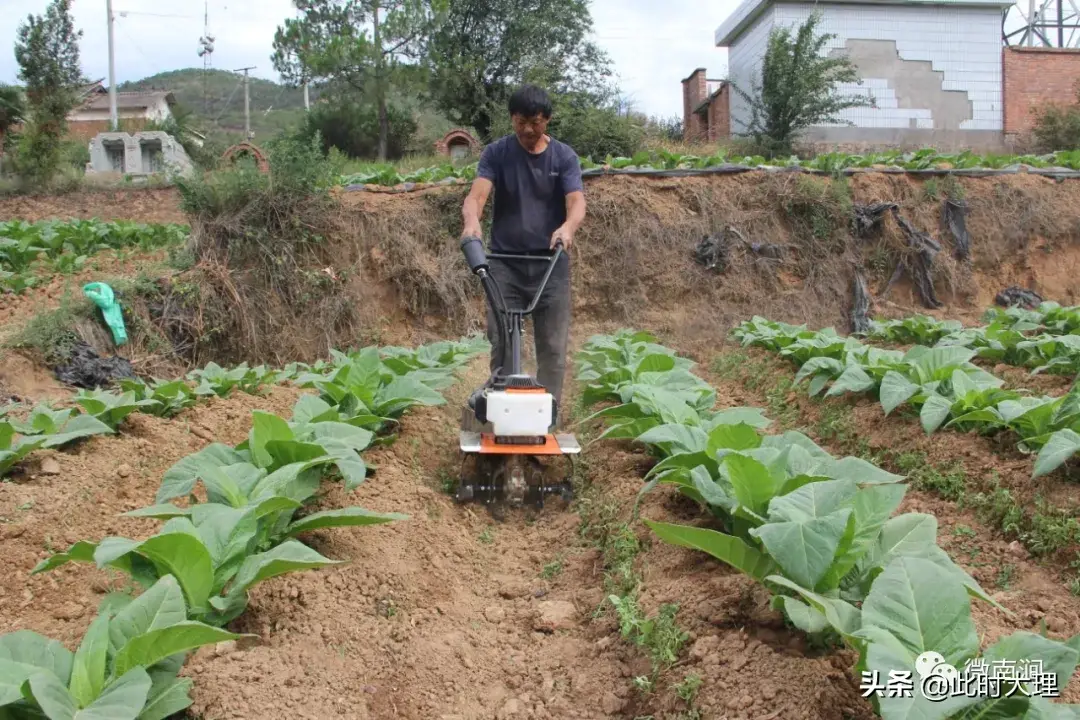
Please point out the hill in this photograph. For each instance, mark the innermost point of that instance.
(217, 99)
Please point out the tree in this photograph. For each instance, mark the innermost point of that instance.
(798, 88)
(12, 108)
(47, 50)
(482, 49)
(355, 42)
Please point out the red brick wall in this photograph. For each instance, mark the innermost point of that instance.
(695, 89)
(1034, 77)
(720, 115)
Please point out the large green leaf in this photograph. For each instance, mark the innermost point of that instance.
(934, 412)
(676, 438)
(24, 652)
(350, 436)
(655, 362)
(895, 390)
(123, 699)
(806, 549)
(185, 557)
(166, 699)
(311, 409)
(266, 428)
(844, 617)
(725, 548)
(158, 607)
(351, 466)
(733, 437)
(925, 607)
(751, 416)
(812, 500)
(1061, 446)
(873, 506)
(226, 532)
(802, 615)
(78, 427)
(162, 511)
(81, 551)
(179, 480)
(351, 516)
(289, 556)
(857, 469)
(88, 668)
(156, 645)
(854, 380)
(886, 655)
(754, 486)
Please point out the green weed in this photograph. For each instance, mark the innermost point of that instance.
(552, 569)
(687, 690)
(660, 636)
(1006, 576)
(487, 537)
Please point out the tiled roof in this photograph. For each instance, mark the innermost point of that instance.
(130, 100)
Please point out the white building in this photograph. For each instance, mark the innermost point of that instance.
(152, 106)
(934, 67)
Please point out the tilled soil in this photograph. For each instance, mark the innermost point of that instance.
(148, 205)
(79, 494)
(449, 614)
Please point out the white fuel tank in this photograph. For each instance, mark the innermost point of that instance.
(519, 414)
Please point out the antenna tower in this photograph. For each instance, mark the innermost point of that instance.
(1042, 23)
(206, 52)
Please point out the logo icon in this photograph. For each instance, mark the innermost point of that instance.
(939, 678)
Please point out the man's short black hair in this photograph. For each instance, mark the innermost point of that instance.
(529, 101)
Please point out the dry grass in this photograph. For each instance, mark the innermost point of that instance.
(392, 263)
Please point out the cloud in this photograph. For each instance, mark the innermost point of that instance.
(651, 49)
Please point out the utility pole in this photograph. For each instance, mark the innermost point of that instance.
(114, 119)
(307, 98)
(247, 102)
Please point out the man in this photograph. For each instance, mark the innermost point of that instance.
(539, 201)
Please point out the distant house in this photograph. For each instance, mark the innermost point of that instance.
(933, 67)
(133, 109)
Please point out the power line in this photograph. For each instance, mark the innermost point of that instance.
(125, 13)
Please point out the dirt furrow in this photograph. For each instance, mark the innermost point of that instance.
(445, 615)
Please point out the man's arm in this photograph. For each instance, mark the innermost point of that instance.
(473, 208)
(575, 202)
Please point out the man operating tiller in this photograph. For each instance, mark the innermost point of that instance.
(539, 204)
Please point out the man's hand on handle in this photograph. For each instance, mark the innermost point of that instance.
(564, 235)
(472, 231)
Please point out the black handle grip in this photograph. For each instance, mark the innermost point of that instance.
(473, 247)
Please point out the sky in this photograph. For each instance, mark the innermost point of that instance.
(651, 51)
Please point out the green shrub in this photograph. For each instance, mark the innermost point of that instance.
(595, 132)
(353, 128)
(1057, 127)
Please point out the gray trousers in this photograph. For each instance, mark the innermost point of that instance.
(518, 281)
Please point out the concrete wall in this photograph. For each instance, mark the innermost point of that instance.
(933, 70)
(143, 153)
(1035, 78)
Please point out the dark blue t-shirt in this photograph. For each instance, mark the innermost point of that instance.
(530, 192)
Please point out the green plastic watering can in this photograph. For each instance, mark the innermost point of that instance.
(103, 297)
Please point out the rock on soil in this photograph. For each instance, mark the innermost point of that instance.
(552, 615)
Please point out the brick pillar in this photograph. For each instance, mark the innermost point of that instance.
(695, 89)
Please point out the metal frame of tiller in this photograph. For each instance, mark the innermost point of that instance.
(505, 461)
